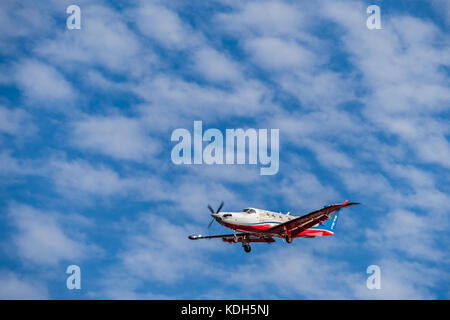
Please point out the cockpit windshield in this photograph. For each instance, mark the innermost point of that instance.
(249, 210)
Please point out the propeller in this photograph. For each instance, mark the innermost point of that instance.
(213, 212)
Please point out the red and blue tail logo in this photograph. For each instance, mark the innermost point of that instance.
(328, 225)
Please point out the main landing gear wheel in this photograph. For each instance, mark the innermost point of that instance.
(247, 248)
(288, 239)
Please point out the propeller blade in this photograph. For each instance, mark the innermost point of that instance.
(213, 212)
(220, 207)
(209, 225)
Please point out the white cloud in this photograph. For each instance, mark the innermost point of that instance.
(442, 7)
(21, 21)
(215, 66)
(313, 275)
(408, 233)
(115, 136)
(188, 101)
(42, 82)
(319, 88)
(164, 25)
(298, 61)
(402, 68)
(76, 178)
(103, 40)
(8, 164)
(403, 279)
(14, 286)
(305, 128)
(358, 181)
(298, 274)
(279, 55)
(262, 18)
(192, 196)
(100, 81)
(42, 238)
(416, 177)
(15, 121)
(303, 190)
(159, 252)
(328, 156)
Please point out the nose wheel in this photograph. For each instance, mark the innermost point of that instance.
(288, 239)
(247, 248)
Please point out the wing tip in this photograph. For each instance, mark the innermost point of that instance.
(347, 203)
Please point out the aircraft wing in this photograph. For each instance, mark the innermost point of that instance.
(239, 237)
(302, 223)
(217, 236)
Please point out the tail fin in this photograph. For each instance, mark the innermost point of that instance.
(330, 224)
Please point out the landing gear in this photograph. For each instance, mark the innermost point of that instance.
(235, 238)
(247, 248)
(288, 239)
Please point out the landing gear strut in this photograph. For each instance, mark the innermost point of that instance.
(235, 238)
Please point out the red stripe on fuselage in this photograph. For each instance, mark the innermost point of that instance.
(242, 227)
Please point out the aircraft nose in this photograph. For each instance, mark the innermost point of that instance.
(215, 215)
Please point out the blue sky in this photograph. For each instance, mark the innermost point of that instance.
(86, 176)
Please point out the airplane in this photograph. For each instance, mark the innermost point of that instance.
(257, 225)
